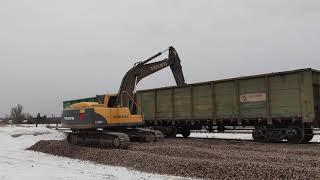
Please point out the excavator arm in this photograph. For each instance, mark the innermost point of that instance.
(143, 69)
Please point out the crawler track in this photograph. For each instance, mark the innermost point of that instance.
(99, 139)
(114, 139)
(145, 135)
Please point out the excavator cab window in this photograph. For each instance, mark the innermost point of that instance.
(112, 101)
(133, 107)
(100, 99)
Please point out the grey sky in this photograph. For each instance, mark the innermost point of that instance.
(55, 50)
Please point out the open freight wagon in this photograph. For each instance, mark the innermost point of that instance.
(284, 105)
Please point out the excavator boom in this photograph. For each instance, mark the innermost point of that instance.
(143, 69)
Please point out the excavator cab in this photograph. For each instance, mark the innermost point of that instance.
(108, 100)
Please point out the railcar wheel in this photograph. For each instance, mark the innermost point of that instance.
(186, 133)
(171, 132)
(295, 135)
(220, 128)
(258, 135)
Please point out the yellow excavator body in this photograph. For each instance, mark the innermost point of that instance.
(97, 115)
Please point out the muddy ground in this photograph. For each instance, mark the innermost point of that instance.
(203, 158)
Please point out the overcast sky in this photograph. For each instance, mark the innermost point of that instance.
(55, 50)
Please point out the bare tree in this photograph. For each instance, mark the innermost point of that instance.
(6, 119)
(28, 117)
(17, 114)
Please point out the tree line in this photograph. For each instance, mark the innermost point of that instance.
(18, 116)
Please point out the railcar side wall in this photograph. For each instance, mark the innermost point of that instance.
(281, 96)
(316, 91)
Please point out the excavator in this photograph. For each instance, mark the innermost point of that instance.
(111, 121)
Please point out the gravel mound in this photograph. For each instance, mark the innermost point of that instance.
(202, 158)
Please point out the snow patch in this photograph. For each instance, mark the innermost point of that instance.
(18, 133)
(17, 163)
(316, 138)
(237, 136)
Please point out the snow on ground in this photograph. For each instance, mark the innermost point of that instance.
(18, 163)
(222, 136)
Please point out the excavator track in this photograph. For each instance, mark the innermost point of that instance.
(143, 135)
(159, 135)
(99, 139)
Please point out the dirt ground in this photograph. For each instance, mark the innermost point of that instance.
(203, 158)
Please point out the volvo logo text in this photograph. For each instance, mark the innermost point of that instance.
(68, 118)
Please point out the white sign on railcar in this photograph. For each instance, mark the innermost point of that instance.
(253, 97)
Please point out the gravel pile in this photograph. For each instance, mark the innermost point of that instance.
(203, 158)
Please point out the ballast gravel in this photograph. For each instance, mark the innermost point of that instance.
(202, 158)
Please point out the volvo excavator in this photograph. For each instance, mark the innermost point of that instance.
(111, 121)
